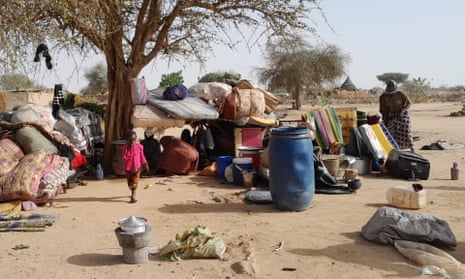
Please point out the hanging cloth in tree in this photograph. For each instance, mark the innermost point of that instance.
(43, 49)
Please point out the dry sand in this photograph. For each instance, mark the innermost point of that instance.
(321, 242)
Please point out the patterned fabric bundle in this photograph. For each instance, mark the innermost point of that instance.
(211, 91)
(243, 102)
(41, 115)
(12, 148)
(7, 163)
(56, 177)
(22, 182)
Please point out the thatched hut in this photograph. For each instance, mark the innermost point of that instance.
(348, 85)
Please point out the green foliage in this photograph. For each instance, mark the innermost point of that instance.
(417, 88)
(15, 82)
(171, 79)
(97, 77)
(227, 77)
(69, 101)
(397, 77)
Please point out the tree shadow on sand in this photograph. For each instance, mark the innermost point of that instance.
(362, 252)
(96, 259)
(217, 207)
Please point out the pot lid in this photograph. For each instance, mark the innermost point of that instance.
(132, 221)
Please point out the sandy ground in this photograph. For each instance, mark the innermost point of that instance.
(321, 242)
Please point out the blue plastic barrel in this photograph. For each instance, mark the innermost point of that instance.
(292, 176)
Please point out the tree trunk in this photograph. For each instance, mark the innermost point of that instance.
(298, 97)
(119, 109)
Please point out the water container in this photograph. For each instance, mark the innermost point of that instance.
(292, 176)
(222, 162)
(406, 197)
(240, 166)
(454, 171)
(99, 172)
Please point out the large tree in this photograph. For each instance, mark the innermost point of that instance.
(395, 76)
(293, 63)
(131, 34)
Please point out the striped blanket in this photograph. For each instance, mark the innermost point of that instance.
(26, 222)
(328, 127)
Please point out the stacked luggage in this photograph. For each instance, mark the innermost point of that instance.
(376, 143)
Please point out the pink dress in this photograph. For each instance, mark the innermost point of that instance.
(133, 157)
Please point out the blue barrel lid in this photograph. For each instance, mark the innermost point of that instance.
(293, 131)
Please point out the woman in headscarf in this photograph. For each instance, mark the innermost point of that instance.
(394, 106)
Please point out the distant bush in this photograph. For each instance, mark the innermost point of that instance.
(74, 100)
(322, 96)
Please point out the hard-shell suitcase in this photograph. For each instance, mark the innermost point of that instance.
(407, 165)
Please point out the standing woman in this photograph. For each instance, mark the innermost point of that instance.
(134, 163)
(394, 106)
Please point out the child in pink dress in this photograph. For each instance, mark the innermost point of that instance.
(134, 163)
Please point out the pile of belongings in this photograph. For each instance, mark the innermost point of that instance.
(36, 158)
(30, 167)
(81, 126)
(373, 142)
(217, 107)
(242, 103)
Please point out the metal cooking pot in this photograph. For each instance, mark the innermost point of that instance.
(133, 224)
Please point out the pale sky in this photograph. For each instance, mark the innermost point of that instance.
(423, 38)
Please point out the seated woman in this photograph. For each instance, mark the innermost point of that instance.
(177, 157)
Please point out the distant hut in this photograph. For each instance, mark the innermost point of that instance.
(348, 85)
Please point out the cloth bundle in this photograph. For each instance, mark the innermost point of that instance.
(198, 242)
